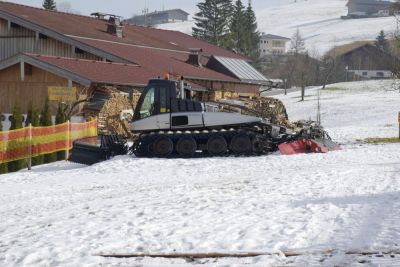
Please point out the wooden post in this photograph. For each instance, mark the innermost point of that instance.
(22, 71)
(37, 39)
(67, 141)
(30, 146)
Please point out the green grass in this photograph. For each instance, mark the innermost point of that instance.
(389, 140)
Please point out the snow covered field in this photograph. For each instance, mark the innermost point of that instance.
(318, 21)
(64, 214)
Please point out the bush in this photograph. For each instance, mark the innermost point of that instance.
(45, 120)
(60, 119)
(16, 123)
(3, 166)
(33, 118)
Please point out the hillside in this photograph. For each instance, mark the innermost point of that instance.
(64, 214)
(318, 21)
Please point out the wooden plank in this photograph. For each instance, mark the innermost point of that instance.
(293, 253)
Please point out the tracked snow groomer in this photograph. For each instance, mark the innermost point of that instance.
(168, 123)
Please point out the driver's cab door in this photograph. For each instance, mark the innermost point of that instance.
(153, 109)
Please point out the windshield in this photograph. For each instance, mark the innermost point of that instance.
(147, 108)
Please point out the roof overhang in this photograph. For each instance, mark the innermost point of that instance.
(23, 58)
(60, 37)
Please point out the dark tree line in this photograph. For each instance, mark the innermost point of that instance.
(229, 25)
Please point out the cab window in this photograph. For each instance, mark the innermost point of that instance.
(147, 109)
(163, 101)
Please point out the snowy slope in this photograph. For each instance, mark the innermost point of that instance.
(351, 111)
(318, 21)
(64, 214)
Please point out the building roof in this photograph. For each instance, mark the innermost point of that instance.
(160, 60)
(72, 25)
(338, 51)
(241, 69)
(276, 37)
(85, 72)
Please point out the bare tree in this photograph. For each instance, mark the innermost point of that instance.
(328, 67)
(297, 45)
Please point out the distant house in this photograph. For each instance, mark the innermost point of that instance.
(160, 17)
(368, 8)
(272, 45)
(368, 62)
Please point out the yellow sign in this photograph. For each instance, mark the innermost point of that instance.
(60, 93)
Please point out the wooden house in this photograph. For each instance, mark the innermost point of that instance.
(367, 62)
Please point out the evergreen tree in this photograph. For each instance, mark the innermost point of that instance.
(381, 42)
(29, 116)
(49, 5)
(3, 166)
(238, 28)
(60, 119)
(38, 160)
(252, 34)
(45, 120)
(212, 21)
(35, 117)
(1, 122)
(16, 123)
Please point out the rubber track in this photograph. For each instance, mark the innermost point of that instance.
(144, 141)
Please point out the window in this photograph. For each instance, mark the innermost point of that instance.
(379, 74)
(147, 108)
(277, 44)
(163, 100)
(365, 73)
(265, 42)
(180, 120)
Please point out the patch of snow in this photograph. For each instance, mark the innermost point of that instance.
(351, 111)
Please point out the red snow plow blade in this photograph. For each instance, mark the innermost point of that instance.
(303, 146)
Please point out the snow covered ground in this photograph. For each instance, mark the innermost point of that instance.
(318, 21)
(64, 214)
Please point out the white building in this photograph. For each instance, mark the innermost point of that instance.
(272, 45)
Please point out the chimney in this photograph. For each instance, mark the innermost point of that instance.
(195, 56)
(115, 26)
